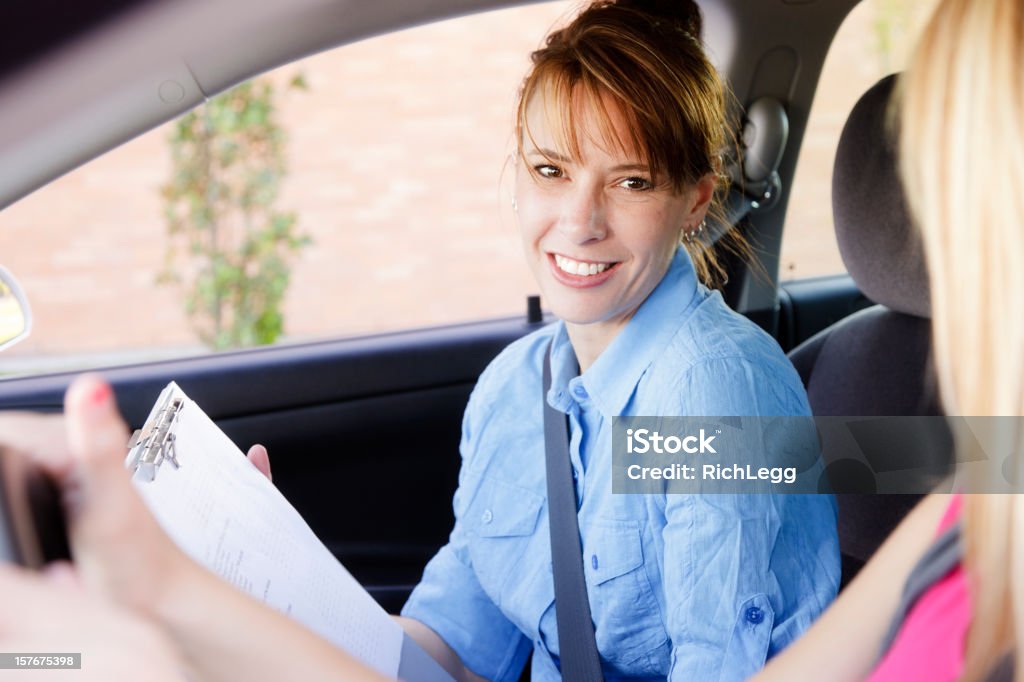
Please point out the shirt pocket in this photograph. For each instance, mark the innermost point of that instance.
(502, 519)
(628, 625)
(747, 650)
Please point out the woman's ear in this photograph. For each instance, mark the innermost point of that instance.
(701, 195)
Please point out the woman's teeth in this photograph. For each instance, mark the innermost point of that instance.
(575, 267)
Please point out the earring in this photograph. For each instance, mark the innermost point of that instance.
(690, 235)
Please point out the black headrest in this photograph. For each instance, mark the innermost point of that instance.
(880, 245)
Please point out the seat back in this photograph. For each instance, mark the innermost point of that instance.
(877, 361)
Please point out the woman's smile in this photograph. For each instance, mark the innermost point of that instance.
(580, 273)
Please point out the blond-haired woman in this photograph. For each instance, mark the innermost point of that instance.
(961, 122)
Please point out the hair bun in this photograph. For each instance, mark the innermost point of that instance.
(685, 14)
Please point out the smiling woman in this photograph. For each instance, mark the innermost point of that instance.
(579, 110)
(620, 131)
(601, 226)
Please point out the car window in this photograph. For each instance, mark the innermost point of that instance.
(872, 43)
(374, 174)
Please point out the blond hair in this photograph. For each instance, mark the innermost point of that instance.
(962, 136)
(646, 60)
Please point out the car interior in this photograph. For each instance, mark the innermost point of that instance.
(337, 414)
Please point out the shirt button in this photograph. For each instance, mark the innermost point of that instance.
(575, 474)
(755, 615)
(593, 561)
(580, 392)
(487, 516)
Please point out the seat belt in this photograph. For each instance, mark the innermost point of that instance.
(576, 645)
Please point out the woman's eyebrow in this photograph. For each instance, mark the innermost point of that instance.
(642, 167)
(551, 155)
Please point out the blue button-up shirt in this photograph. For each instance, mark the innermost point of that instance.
(685, 587)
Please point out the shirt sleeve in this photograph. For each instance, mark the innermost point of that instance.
(728, 601)
(450, 600)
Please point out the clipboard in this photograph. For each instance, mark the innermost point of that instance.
(231, 519)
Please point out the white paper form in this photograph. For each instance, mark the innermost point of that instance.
(228, 517)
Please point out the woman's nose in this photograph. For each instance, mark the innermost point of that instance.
(582, 215)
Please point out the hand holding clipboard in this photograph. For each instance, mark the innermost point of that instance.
(124, 558)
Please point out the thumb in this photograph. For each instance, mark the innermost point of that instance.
(98, 493)
(260, 458)
(117, 544)
(97, 437)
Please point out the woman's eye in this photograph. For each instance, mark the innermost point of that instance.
(636, 184)
(548, 171)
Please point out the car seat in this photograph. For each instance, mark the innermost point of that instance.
(875, 362)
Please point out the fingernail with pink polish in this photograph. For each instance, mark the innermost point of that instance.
(99, 395)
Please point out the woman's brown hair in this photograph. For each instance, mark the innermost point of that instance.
(647, 59)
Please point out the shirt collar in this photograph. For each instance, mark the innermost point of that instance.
(610, 381)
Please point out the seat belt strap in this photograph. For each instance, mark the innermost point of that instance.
(577, 647)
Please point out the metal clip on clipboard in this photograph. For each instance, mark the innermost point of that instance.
(153, 444)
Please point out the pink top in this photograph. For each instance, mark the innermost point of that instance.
(930, 644)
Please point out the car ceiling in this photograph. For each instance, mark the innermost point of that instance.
(30, 29)
(125, 66)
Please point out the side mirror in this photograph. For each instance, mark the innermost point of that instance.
(15, 315)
